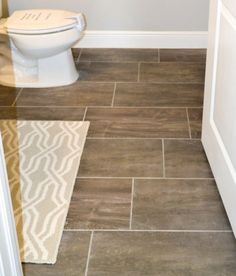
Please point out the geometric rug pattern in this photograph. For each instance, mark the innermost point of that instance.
(42, 159)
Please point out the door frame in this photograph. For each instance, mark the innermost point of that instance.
(218, 156)
(9, 250)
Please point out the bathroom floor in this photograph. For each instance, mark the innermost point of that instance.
(145, 201)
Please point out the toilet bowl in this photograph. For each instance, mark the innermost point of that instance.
(39, 50)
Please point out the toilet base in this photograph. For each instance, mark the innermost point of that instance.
(58, 70)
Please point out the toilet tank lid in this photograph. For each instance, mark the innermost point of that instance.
(35, 20)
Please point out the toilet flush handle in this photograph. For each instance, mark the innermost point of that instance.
(80, 19)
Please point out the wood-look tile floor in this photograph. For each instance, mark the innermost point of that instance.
(145, 201)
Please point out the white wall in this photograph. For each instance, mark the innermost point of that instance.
(131, 15)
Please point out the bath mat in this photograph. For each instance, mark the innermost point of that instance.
(42, 160)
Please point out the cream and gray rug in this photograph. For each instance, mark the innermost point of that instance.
(42, 161)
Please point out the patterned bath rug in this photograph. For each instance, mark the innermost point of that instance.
(42, 160)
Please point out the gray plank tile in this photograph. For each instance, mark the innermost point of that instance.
(100, 204)
(183, 55)
(42, 113)
(186, 158)
(178, 205)
(172, 72)
(119, 55)
(108, 71)
(77, 94)
(71, 260)
(121, 158)
(159, 95)
(195, 120)
(137, 122)
(162, 254)
(7, 95)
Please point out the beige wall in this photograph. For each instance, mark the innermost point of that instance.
(131, 15)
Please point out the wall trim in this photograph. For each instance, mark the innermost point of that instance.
(142, 39)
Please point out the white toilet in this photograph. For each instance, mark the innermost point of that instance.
(39, 50)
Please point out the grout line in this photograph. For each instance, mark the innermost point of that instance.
(159, 56)
(144, 82)
(85, 113)
(131, 205)
(142, 138)
(78, 230)
(89, 253)
(78, 58)
(145, 177)
(194, 107)
(189, 128)
(115, 61)
(113, 96)
(177, 178)
(139, 66)
(150, 231)
(109, 106)
(163, 158)
(145, 107)
(125, 62)
(17, 96)
(55, 106)
(141, 61)
(101, 177)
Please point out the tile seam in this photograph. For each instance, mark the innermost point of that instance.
(147, 82)
(78, 58)
(141, 138)
(130, 62)
(17, 96)
(101, 177)
(139, 65)
(131, 205)
(159, 56)
(149, 230)
(145, 177)
(141, 82)
(141, 61)
(113, 95)
(163, 158)
(89, 253)
(105, 106)
(188, 122)
(140, 107)
(85, 113)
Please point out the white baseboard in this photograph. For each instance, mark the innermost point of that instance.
(142, 39)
